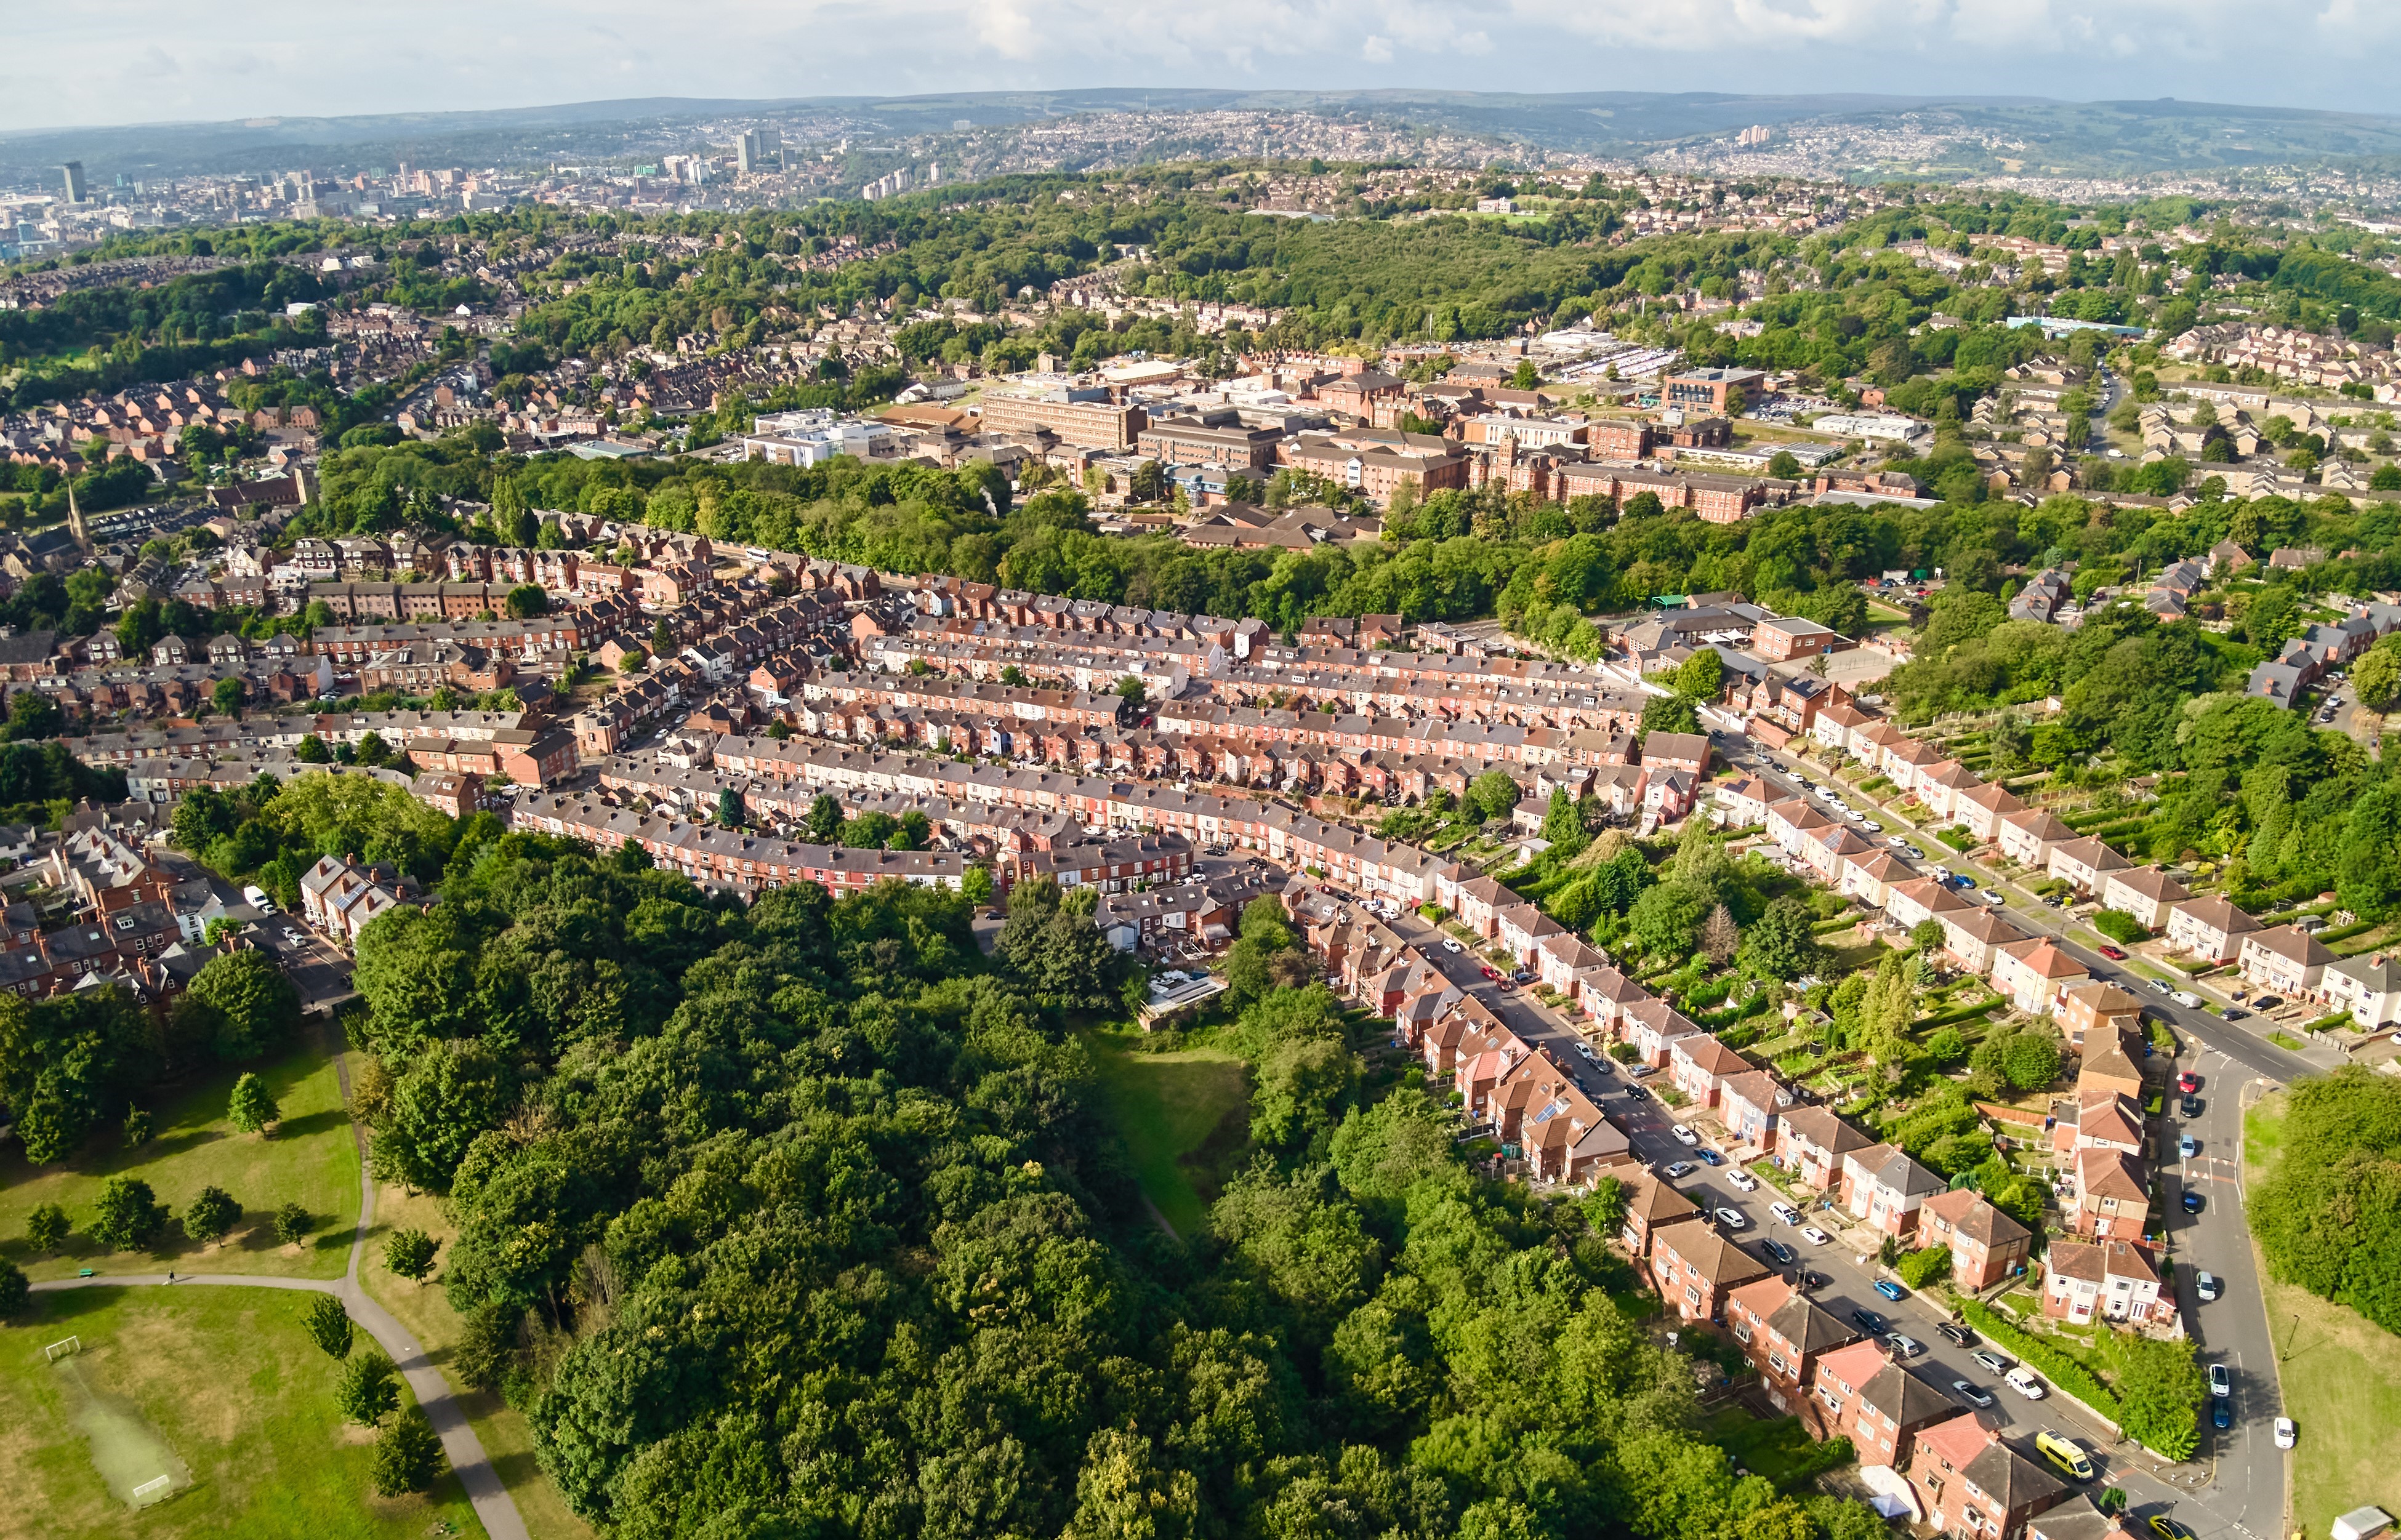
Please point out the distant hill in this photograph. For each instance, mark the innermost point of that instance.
(1982, 134)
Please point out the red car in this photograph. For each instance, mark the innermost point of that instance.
(2187, 1082)
(2113, 954)
(1492, 973)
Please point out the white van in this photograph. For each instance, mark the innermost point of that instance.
(1785, 1213)
(2022, 1380)
(257, 899)
(2186, 998)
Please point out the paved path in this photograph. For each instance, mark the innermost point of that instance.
(494, 1507)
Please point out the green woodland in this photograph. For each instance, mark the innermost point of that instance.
(809, 1219)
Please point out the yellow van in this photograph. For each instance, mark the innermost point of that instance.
(2065, 1453)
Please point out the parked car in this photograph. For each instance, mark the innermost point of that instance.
(1891, 1290)
(1903, 1347)
(2221, 1415)
(2159, 985)
(2167, 1528)
(1710, 1157)
(1742, 1180)
(1917, 853)
(1992, 898)
(1448, 945)
(1685, 1136)
(2187, 1082)
(1782, 1254)
(2191, 1107)
(1899, 842)
(1956, 1334)
(1873, 826)
(1785, 1212)
(1813, 1235)
(2188, 1147)
(1679, 1170)
(1733, 1218)
(2267, 1003)
(2193, 1201)
(2186, 998)
(2221, 1380)
(2113, 953)
(1869, 1321)
(2065, 1453)
(1970, 1394)
(2235, 1014)
(2022, 1380)
(2207, 1286)
(2288, 1435)
(1492, 972)
(1988, 1360)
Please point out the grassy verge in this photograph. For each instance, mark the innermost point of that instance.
(1183, 1115)
(230, 1381)
(425, 1310)
(311, 1160)
(2341, 1375)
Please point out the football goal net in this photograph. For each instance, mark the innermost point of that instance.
(152, 1490)
(62, 1348)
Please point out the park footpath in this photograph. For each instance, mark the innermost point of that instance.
(494, 1507)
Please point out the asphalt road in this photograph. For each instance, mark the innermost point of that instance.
(2244, 1495)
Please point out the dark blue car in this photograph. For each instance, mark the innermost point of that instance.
(2193, 1201)
(2221, 1412)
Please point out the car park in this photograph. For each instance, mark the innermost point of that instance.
(2206, 1284)
(1813, 1235)
(1733, 1218)
(1970, 1394)
(2023, 1381)
(2288, 1435)
(2066, 1454)
(1956, 1334)
(1742, 1180)
(1891, 1290)
(2221, 1380)
(1990, 1360)
(1784, 1212)
(2192, 1201)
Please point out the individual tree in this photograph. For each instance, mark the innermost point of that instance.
(974, 884)
(137, 1127)
(1563, 821)
(729, 807)
(1701, 676)
(126, 1216)
(210, 1216)
(47, 1228)
(2160, 1387)
(15, 1292)
(329, 1326)
(1720, 937)
(2377, 675)
(1782, 943)
(410, 1254)
(311, 750)
(1131, 690)
(455, 1090)
(1493, 792)
(1605, 1205)
(2031, 1060)
(365, 1392)
(1670, 713)
(1783, 466)
(1927, 936)
(292, 1223)
(252, 1109)
(228, 695)
(1946, 1045)
(407, 1455)
(240, 1005)
(1667, 918)
(825, 818)
(527, 601)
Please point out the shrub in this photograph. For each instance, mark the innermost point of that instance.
(1920, 1268)
(2120, 927)
(406, 1455)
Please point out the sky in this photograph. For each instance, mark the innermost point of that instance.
(111, 61)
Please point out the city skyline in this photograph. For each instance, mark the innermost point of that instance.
(450, 57)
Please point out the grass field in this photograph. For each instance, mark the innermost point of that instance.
(2341, 1377)
(1183, 1115)
(425, 1310)
(231, 1383)
(312, 1161)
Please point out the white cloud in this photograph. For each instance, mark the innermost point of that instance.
(1375, 50)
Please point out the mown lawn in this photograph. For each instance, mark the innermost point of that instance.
(311, 1160)
(2340, 1373)
(425, 1310)
(1182, 1115)
(230, 1381)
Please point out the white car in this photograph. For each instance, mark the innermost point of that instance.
(1784, 1212)
(1686, 1137)
(1813, 1235)
(1823, 794)
(1989, 896)
(1898, 841)
(2022, 1380)
(1732, 1218)
(1448, 945)
(2287, 1434)
(1743, 1181)
(1679, 1171)
(1873, 826)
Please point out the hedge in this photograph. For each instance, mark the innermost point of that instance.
(1957, 839)
(2120, 927)
(1920, 1268)
(2064, 1370)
